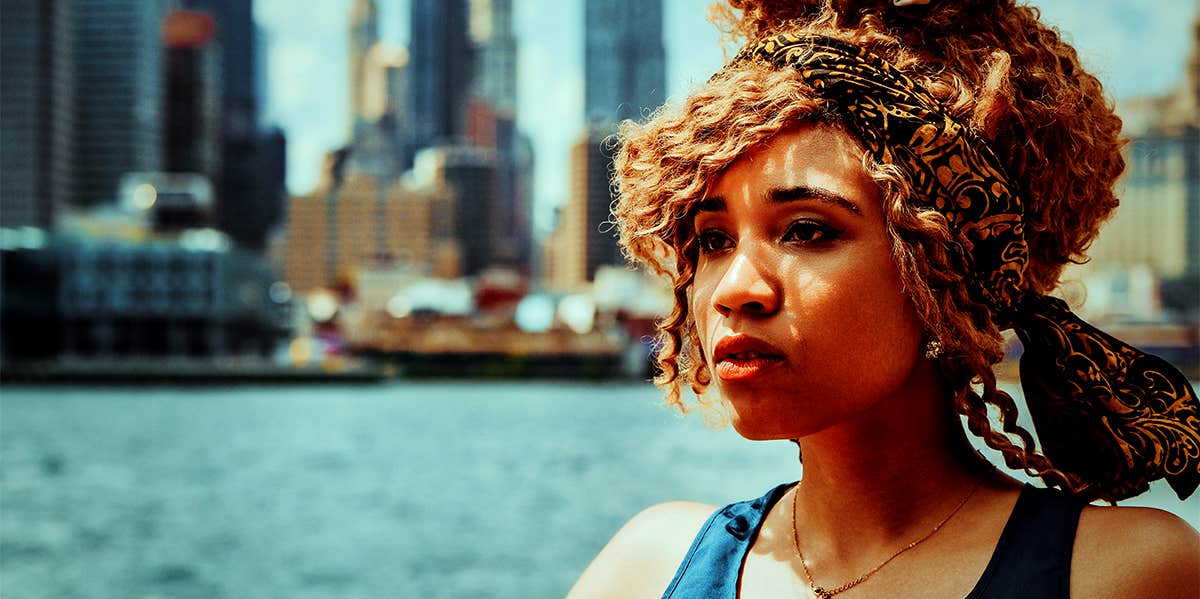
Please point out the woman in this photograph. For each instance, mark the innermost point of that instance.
(851, 212)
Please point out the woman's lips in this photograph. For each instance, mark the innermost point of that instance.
(741, 357)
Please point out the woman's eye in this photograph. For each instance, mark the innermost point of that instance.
(712, 240)
(809, 231)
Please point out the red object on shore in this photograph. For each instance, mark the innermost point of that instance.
(187, 29)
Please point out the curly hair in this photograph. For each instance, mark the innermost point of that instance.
(993, 67)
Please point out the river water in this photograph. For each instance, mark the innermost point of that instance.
(426, 489)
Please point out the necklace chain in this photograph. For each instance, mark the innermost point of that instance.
(823, 593)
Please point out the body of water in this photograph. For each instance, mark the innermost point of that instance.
(426, 489)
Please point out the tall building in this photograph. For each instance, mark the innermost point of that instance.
(491, 30)
(624, 64)
(624, 77)
(492, 124)
(118, 95)
(192, 103)
(250, 199)
(582, 241)
(364, 34)
(236, 37)
(37, 75)
(442, 67)
(380, 145)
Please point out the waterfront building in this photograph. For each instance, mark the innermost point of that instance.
(164, 298)
(442, 68)
(119, 93)
(37, 74)
(107, 298)
(624, 59)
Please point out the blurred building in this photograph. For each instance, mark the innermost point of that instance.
(492, 123)
(236, 37)
(192, 110)
(345, 226)
(624, 64)
(381, 145)
(442, 64)
(1147, 257)
(37, 121)
(470, 173)
(624, 77)
(79, 296)
(163, 298)
(250, 178)
(363, 35)
(491, 29)
(583, 240)
(119, 93)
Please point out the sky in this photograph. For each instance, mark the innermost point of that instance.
(1135, 48)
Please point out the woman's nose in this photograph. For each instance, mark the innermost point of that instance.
(746, 287)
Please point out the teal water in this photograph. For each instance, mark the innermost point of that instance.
(397, 490)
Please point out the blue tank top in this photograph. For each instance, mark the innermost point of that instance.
(1032, 559)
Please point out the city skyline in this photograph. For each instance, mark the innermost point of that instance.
(1134, 50)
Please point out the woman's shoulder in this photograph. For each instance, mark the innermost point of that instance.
(642, 558)
(1134, 552)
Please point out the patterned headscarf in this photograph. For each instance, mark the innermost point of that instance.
(1105, 411)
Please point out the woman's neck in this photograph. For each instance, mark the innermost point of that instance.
(873, 482)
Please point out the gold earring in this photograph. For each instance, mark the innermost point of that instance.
(933, 349)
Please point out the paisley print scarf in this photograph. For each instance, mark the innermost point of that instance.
(1103, 410)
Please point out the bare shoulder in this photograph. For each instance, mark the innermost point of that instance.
(641, 559)
(1135, 552)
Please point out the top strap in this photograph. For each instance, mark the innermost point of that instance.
(714, 562)
(1032, 559)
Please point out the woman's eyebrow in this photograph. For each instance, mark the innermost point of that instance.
(710, 204)
(802, 192)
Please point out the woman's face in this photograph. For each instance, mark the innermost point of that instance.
(797, 301)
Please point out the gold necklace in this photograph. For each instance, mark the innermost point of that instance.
(823, 593)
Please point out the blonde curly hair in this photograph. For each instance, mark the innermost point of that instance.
(993, 67)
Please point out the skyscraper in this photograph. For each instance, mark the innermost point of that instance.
(364, 34)
(493, 116)
(37, 75)
(582, 243)
(250, 199)
(236, 34)
(192, 106)
(623, 78)
(624, 65)
(492, 31)
(442, 64)
(119, 93)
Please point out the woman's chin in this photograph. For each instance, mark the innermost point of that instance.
(759, 429)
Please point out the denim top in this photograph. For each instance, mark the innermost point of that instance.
(1032, 560)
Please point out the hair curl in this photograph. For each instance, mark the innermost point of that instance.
(994, 67)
